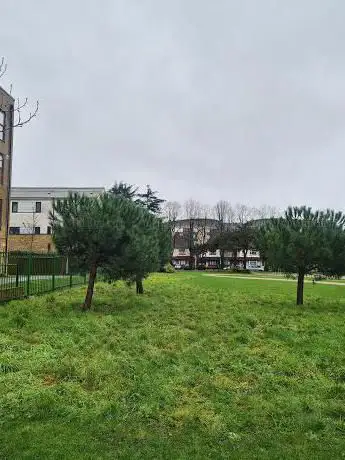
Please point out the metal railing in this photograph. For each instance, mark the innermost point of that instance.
(23, 275)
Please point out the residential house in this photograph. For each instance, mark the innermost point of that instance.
(192, 233)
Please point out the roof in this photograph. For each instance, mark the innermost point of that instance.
(52, 192)
(2, 90)
(197, 221)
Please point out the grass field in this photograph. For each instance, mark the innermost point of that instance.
(199, 367)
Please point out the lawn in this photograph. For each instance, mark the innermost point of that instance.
(199, 367)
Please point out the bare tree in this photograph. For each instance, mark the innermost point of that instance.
(267, 212)
(30, 227)
(193, 212)
(244, 213)
(244, 233)
(192, 209)
(223, 213)
(21, 112)
(171, 212)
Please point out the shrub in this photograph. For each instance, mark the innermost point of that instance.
(168, 268)
(241, 270)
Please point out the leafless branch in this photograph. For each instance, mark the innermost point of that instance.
(193, 209)
(267, 212)
(19, 122)
(19, 118)
(3, 67)
(171, 211)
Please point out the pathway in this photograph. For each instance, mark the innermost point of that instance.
(262, 278)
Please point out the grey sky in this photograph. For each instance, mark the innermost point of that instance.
(241, 100)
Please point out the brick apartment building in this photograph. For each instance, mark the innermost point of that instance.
(30, 208)
(6, 146)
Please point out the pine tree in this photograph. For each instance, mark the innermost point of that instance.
(91, 230)
(124, 190)
(150, 200)
(304, 241)
(146, 250)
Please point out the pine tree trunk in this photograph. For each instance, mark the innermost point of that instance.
(300, 287)
(222, 258)
(139, 285)
(90, 287)
(191, 259)
(244, 260)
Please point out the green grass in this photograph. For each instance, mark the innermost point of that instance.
(199, 367)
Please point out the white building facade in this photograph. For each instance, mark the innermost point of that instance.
(30, 207)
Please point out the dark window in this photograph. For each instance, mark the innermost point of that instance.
(2, 125)
(49, 247)
(14, 230)
(49, 230)
(38, 206)
(37, 230)
(14, 206)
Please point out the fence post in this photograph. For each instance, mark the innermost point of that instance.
(53, 275)
(28, 279)
(17, 275)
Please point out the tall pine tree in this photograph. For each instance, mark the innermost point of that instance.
(150, 200)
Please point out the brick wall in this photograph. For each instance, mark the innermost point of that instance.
(31, 243)
(6, 102)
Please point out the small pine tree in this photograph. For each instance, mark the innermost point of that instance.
(92, 231)
(304, 241)
(147, 248)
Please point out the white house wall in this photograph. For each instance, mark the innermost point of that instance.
(26, 218)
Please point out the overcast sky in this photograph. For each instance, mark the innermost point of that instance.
(229, 99)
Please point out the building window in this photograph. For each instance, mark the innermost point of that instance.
(14, 206)
(49, 247)
(37, 230)
(213, 253)
(49, 230)
(38, 206)
(181, 251)
(14, 230)
(2, 125)
(252, 253)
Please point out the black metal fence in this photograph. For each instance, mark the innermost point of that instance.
(22, 275)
